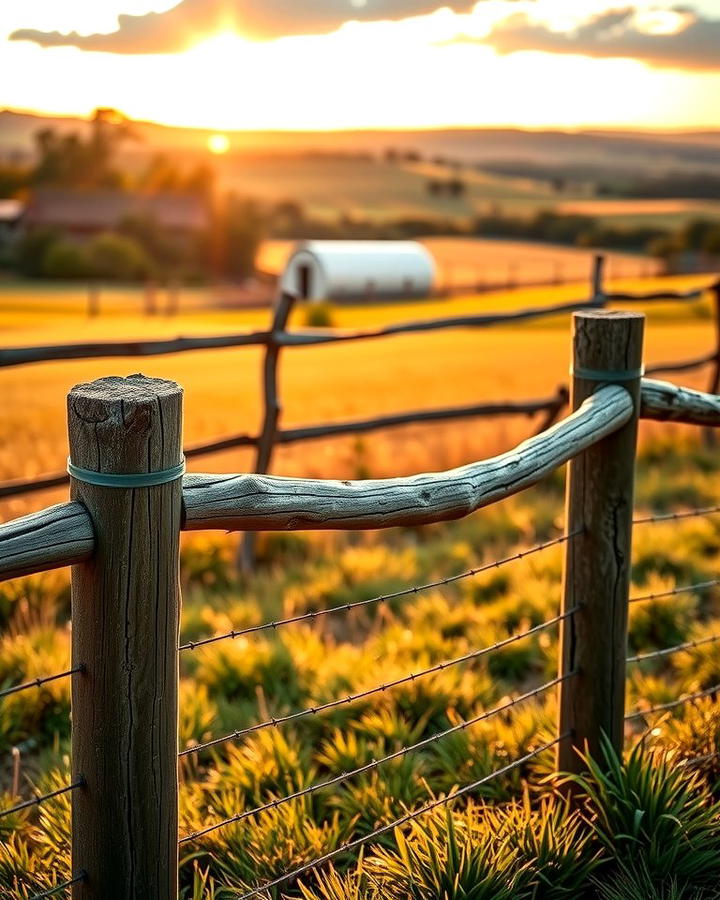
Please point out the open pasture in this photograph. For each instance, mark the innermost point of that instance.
(330, 187)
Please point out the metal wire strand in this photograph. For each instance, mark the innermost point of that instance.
(50, 892)
(678, 648)
(346, 607)
(688, 588)
(37, 682)
(698, 695)
(686, 514)
(698, 760)
(403, 820)
(41, 798)
(375, 763)
(351, 698)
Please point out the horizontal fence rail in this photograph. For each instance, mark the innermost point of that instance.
(123, 541)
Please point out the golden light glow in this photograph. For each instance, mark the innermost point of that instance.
(218, 144)
(357, 77)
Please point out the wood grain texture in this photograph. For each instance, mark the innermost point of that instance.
(596, 578)
(665, 402)
(125, 609)
(54, 537)
(271, 503)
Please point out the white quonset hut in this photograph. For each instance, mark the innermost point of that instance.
(353, 270)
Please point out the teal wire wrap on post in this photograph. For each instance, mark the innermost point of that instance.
(130, 480)
(611, 377)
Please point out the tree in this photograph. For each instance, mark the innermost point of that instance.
(72, 161)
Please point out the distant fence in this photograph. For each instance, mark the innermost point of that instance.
(121, 531)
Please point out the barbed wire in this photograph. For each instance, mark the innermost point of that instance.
(37, 682)
(60, 887)
(403, 820)
(41, 798)
(376, 763)
(685, 514)
(346, 607)
(697, 760)
(698, 695)
(685, 589)
(688, 645)
(274, 722)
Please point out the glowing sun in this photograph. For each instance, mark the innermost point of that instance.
(218, 143)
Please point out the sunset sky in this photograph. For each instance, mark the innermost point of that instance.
(316, 64)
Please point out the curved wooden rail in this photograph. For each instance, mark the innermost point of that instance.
(58, 536)
(665, 402)
(63, 535)
(268, 503)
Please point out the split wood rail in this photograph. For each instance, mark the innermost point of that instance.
(120, 531)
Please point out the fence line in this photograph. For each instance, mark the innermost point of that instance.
(38, 682)
(673, 516)
(663, 707)
(383, 598)
(123, 540)
(678, 648)
(63, 886)
(276, 721)
(42, 798)
(684, 589)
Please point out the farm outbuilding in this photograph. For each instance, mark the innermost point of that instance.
(353, 270)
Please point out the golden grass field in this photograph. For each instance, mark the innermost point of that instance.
(318, 384)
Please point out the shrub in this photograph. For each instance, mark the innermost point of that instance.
(118, 258)
(650, 812)
(319, 315)
(65, 259)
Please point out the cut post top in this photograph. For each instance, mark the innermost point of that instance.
(125, 425)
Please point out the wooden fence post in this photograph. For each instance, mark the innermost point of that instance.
(125, 609)
(272, 408)
(598, 271)
(593, 641)
(709, 436)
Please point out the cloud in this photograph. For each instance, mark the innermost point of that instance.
(193, 20)
(669, 38)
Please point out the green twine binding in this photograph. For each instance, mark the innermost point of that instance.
(600, 375)
(126, 480)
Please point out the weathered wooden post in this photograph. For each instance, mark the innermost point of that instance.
(607, 350)
(709, 435)
(272, 408)
(598, 271)
(126, 465)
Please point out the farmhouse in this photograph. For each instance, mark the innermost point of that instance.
(81, 214)
(337, 270)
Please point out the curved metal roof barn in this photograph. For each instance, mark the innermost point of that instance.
(368, 270)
